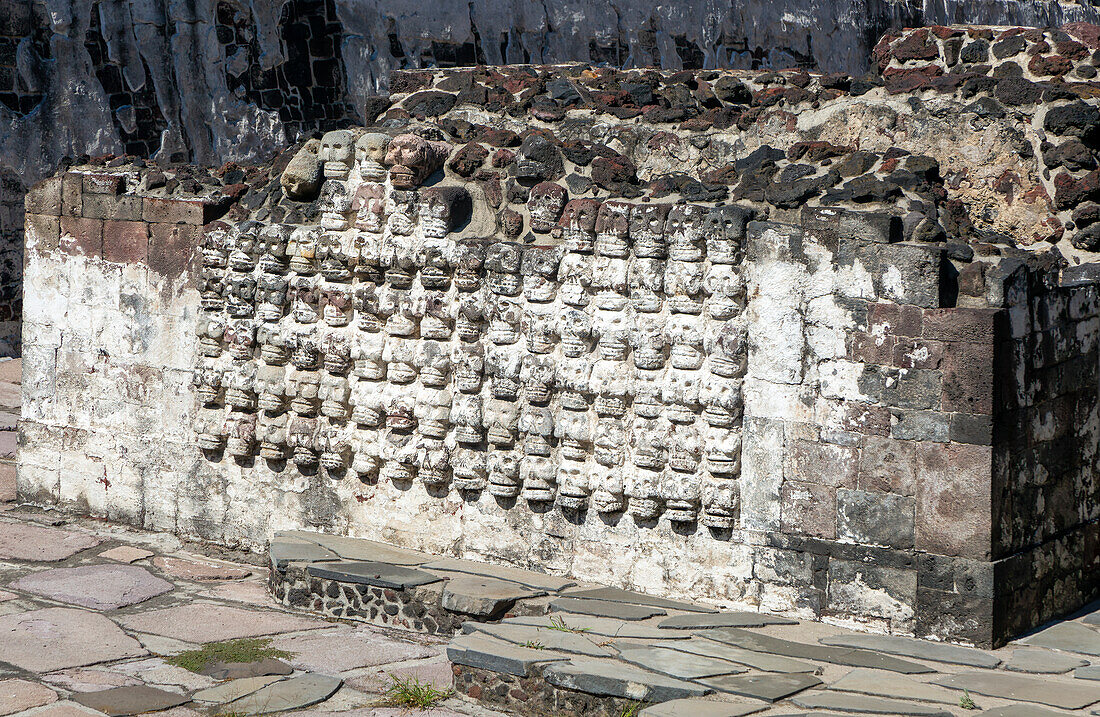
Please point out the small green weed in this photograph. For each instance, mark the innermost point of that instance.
(248, 649)
(559, 624)
(411, 692)
(534, 645)
(966, 702)
(631, 710)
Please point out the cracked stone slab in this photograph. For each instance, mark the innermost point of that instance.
(361, 572)
(607, 626)
(1021, 711)
(360, 548)
(290, 694)
(97, 587)
(867, 705)
(723, 619)
(634, 598)
(1069, 696)
(483, 597)
(126, 554)
(699, 707)
(347, 648)
(877, 684)
(770, 687)
(836, 655)
(1092, 672)
(682, 665)
(563, 641)
(57, 638)
(206, 622)
(189, 569)
(605, 608)
(917, 649)
(527, 578)
(615, 679)
(125, 701)
(93, 679)
(233, 689)
(18, 695)
(284, 550)
(40, 543)
(756, 660)
(476, 650)
(1042, 662)
(1069, 636)
(241, 670)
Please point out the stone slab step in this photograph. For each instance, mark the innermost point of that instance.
(699, 707)
(1066, 695)
(528, 578)
(756, 660)
(483, 597)
(605, 608)
(615, 679)
(285, 550)
(877, 684)
(551, 639)
(682, 665)
(360, 548)
(836, 655)
(723, 619)
(769, 687)
(1069, 636)
(634, 598)
(482, 651)
(1043, 662)
(867, 705)
(918, 649)
(1092, 672)
(362, 572)
(606, 626)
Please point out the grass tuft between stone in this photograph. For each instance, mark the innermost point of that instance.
(411, 692)
(248, 649)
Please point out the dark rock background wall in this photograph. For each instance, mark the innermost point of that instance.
(210, 81)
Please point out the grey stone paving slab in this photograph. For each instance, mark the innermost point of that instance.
(756, 660)
(605, 608)
(723, 619)
(605, 677)
(674, 663)
(770, 687)
(627, 596)
(837, 655)
(867, 705)
(283, 551)
(360, 548)
(918, 649)
(607, 626)
(699, 707)
(477, 650)
(57, 638)
(365, 572)
(1042, 662)
(1070, 636)
(483, 597)
(234, 689)
(577, 643)
(240, 670)
(18, 695)
(1067, 695)
(40, 543)
(1093, 619)
(124, 701)
(98, 587)
(289, 694)
(878, 684)
(348, 648)
(531, 579)
(1092, 672)
(204, 622)
(1021, 711)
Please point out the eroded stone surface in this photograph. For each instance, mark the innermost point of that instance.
(372, 573)
(98, 587)
(1070, 696)
(341, 649)
(749, 658)
(476, 650)
(876, 683)
(769, 688)
(233, 689)
(1042, 662)
(289, 694)
(483, 597)
(189, 569)
(528, 578)
(602, 677)
(126, 554)
(125, 701)
(838, 655)
(242, 670)
(919, 649)
(38, 543)
(867, 705)
(203, 622)
(609, 627)
(58, 638)
(677, 664)
(360, 549)
(561, 640)
(1070, 636)
(604, 608)
(723, 619)
(699, 707)
(635, 598)
(17, 695)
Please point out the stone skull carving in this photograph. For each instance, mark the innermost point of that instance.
(304, 352)
(502, 262)
(722, 402)
(725, 291)
(684, 286)
(573, 382)
(366, 357)
(336, 352)
(433, 412)
(545, 206)
(370, 154)
(441, 209)
(365, 302)
(240, 433)
(335, 395)
(649, 342)
(412, 159)
(273, 240)
(613, 229)
(540, 328)
(575, 330)
(607, 498)
(504, 477)
(644, 492)
(369, 206)
(244, 246)
(467, 263)
(337, 304)
(271, 389)
(301, 180)
(573, 486)
(646, 278)
(539, 478)
(240, 338)
(271, 434)
(721, 504)
(303, 250)
(207, 380)
(468, 469)
(539, 270)
(469, 367)
(575, 277)
(401, 208)
(503, 365)
(215, 245)
(611, 383)
(303, 390)
(578, 224)
(611, 282)
(337, 152)
(274, 348)
(210, 430)
(212, 289)
(240, 294)
(240, 387)
(505, 318)
(647, 230)
(466, 417)
(684, 227)
(335, 204)
(211, 330)
(305, 299)
(722, 452)
(271, 291)
(727, 350)
(302, 440)
(724, 229)
(501, 422)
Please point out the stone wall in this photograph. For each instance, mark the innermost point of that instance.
(707, 336)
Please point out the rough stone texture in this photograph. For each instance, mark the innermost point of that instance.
(482, 597)
(19, 541)
(677, 664)
(289, 694)
(871, 682)
(98, 587)
(200, 569)
(762, 687)
(618, 680)
(344, 649)
(866, 705)
(837, 655)
(18, 695)
(124, 701)
(1043, 662)
(233, 689)
(198, 622)
(497, 656)
(58, 638)
(1071, 696)
(1069, 636)
(699, 708)
(919, 649)
(126, 554)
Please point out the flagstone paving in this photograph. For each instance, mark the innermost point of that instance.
(98, 587)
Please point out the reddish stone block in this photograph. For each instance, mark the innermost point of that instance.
(42, 232)
(831, 465)
(125, 242)
(968, 378)
(172, 247)
(959, 324)
(808, 509)
(102, 183)
(81, 236)
(894, 319)
(871, 348)
(109, 206)
(917, 353)
(44, 197)
(865, 418)
(888, 465)
(954, 503)
(72, 192)
(172, 211)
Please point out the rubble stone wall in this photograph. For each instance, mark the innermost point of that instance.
(711, 352)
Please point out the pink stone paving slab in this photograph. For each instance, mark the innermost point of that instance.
(246, 591)
(205, 622)
(8, 444)
(99, 587)
(39, 543)
(155, 671)
(67, 709)
(126, 554)
(343, 648)
(7, 482)
(438, 674)
(200, 569)
(5, 596)
(383, 712)
(56, 638)
(83, 679)
(11, 371)
(19, 695)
